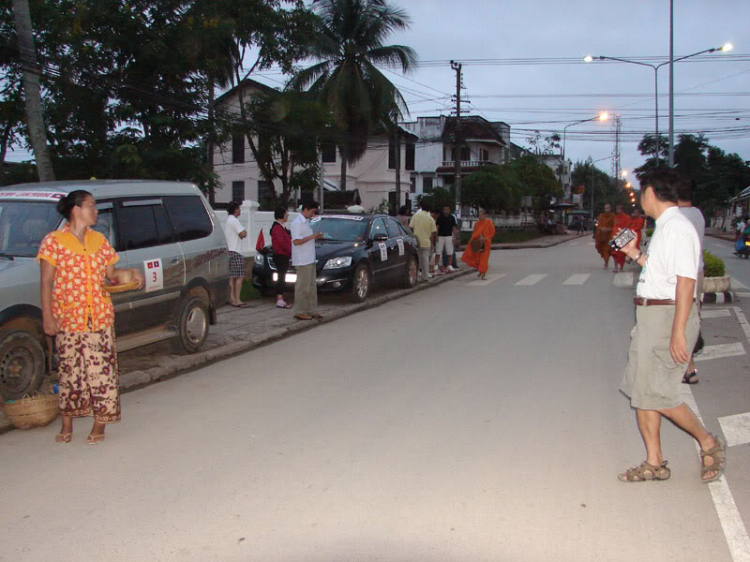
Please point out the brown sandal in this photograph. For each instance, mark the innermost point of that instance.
(303, 317)
(719, 454)
(95, 439)
(63, 437)
(644, 472)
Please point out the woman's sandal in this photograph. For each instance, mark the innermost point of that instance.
(95, 439)
(644, 472)
(691, 378)
(719, 454)
(63, 437)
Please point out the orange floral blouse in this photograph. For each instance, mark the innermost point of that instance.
(80, 269)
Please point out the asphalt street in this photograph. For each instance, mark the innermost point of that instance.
(479, 420)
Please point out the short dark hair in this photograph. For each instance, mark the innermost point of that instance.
(279, 212)
(232, 207)
(310, 204)
(685, 190)
(667, 183)
(424, 205)
(402, 210)
(72, 199)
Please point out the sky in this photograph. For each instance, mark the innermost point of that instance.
(556, 88)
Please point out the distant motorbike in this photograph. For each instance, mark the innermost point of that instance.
(742, 247)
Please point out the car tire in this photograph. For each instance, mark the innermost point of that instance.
(22, 363)
(361, 282)
(193, 321)
(412, 273)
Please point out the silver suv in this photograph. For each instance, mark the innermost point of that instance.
(165, 229)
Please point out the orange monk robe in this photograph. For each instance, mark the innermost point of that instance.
(480, 260)
(622, 221)
(636, 225)
(605, 223)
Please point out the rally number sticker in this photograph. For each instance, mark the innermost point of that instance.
(383, 251)
(154, 274)
(400, 246)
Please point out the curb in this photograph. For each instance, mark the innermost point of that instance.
(182, 364)
(718, 298)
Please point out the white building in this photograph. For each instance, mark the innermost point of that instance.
(373, 175)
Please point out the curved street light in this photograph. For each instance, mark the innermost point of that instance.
(589, 58)
(601, 117)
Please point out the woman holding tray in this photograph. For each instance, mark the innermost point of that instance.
(77, 310)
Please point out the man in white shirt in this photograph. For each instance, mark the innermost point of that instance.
(234, 233)
(303, 260)
(694, 215)
(666, 330)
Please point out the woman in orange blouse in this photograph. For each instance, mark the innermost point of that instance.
(74, 262)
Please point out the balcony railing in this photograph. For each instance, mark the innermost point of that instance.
(469, 163)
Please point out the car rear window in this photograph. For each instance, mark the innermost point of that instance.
(189, 217)
(23, 226)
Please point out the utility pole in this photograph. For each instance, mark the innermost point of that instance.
(671, 84)
(321, 199)
(616, 152)
(457, 136)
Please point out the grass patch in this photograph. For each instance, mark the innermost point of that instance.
(249, 292)
(507, 235)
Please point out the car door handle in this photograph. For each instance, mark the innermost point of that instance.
(174, 260)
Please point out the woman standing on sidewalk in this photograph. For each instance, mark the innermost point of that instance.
(74, 262)
(477, 252)
(281, 242)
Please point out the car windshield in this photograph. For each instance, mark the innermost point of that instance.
(23, 225)
(340, 229)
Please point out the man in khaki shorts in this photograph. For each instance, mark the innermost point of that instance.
(666, 329)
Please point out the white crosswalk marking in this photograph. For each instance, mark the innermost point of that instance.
(739, 285)
(623, 279)
(489, 279)
(577, 279)
(736, 429)
(715, 313)
(720, 350)
(532, 279)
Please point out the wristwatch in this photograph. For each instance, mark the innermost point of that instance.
(638, 257)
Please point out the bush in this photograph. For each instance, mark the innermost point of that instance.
(713, 266)
(506, 235)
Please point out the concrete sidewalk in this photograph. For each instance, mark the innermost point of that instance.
(716, 233)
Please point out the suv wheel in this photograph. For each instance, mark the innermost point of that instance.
(361, 283)
(192, 325)
(412, 273)
(22, 365)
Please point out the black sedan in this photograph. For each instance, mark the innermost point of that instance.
(355, 253)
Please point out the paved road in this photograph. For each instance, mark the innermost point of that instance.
(475, 421)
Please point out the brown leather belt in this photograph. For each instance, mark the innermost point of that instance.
(640, 301)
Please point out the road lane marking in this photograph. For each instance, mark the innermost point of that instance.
(577, 279)
(623, 279)
(736, 429)
(743, 294)
(490, 279)
(720, 350)
(738, 284)
(734, 529)
(532, 279)
(743, 322)
(715, 313)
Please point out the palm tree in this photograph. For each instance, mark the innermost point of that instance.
(349, 45)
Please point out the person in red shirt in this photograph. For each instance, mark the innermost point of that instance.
(637, 224)
(622, 221)
(281, 242)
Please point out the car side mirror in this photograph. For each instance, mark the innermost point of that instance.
(380, 237)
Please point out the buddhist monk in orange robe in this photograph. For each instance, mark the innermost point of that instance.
(483, 230)
(622, 221)
(637, 224)
(604, 225)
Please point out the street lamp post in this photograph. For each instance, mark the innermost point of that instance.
(601, 117)
(655, 67)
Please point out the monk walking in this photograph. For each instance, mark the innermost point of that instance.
(604, 225)
(622, 221)
(637, 224)
(477, 252)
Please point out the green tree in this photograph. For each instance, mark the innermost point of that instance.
(349, 44)
(438, 198)
(494, 188)
(536, 180)
(603, 185)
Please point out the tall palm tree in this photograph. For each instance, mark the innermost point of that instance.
(349, 45)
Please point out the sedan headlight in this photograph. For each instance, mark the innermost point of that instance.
(259, 258)
(338, 263)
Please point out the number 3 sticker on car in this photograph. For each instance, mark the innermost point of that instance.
(154, 274)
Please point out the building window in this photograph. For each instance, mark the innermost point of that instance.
(238, 149)
(413, 186)
(264, 191)
(465, 154)
(484, 155)
(409, 156)
(427, 185)
(328, 152)
(238, 191)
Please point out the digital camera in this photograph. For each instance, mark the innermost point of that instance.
(625, 236)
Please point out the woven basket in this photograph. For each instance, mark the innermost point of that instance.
(33, 411)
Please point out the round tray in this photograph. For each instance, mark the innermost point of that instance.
(121, 288)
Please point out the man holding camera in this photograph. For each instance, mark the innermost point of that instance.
(666, 330)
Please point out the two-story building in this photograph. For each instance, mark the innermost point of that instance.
(373, 175)
(482, 143)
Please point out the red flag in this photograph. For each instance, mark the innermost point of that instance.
(261, 243)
